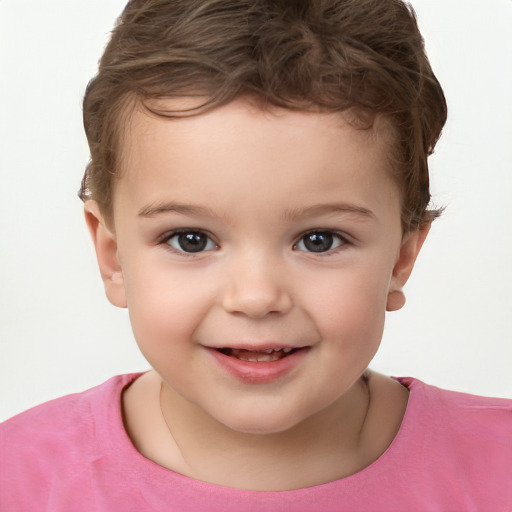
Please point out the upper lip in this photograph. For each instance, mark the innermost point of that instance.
(255, 347)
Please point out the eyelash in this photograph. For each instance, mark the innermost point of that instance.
(340, 237)
(165, 240)
(337, 237)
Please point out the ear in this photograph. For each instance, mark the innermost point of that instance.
(105, 244)
(409, 250)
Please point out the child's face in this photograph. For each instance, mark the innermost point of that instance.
(244, 230)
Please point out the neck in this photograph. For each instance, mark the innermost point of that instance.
(324, 447)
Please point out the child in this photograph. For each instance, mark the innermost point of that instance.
(257, 196)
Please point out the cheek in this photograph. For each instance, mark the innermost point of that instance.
(349, 308)
(163, 305)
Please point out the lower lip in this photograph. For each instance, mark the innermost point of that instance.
(258, 372)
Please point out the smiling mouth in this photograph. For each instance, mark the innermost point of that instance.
(258, 356)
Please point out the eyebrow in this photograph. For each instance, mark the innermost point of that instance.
(150, 211)
(172, 207)
(325, 209)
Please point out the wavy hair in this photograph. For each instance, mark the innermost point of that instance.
(337, 55)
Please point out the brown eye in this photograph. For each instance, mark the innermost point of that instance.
(319, 241)
(191, 241)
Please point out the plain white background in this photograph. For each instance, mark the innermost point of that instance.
(58, 333)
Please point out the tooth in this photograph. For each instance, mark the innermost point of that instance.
(286, 350)
(269, 351)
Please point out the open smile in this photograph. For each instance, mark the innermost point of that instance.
(258, 365)
(257, 356)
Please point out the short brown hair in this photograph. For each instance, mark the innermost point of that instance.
(335, 55)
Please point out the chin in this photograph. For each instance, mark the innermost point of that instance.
(260, 429)
(261, 423)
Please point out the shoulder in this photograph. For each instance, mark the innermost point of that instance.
(55, 439)
(68, 415)
(463, 410)
(468, 436)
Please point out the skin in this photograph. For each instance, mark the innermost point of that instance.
(255, 182)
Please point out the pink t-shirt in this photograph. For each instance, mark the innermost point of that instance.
(453, 453)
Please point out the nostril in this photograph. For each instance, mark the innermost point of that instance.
(257, 303)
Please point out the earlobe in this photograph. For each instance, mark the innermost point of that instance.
(105, 244)
(409, 250)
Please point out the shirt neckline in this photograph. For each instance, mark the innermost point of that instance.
(121, 448)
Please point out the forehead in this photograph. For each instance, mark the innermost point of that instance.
(244, 148)
(242, 116)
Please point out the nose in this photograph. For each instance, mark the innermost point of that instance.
(256, 289)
